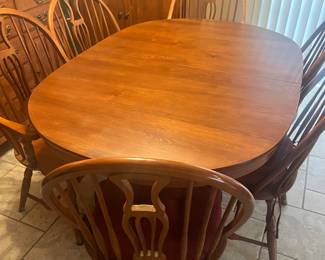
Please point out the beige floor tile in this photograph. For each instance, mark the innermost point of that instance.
(10, 157)
(316, 174)
(302, 234)
(319, 149)
(225, 199)
(315, 201)
(58, 243)
(40, 217)
(5, 167)
(265, 256)
(260, 210)
(295, 195)
(241, 250)
(16, 238)
(10, 186)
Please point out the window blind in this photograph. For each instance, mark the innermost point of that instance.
(296, 19)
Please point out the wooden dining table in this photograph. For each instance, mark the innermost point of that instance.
(212, 94)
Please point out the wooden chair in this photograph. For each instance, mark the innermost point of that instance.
(219, 10)
(314, 57)
(276, 177)
(20, 72)
(79, 24)
(147, 209)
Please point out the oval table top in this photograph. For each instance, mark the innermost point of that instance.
(217, 95)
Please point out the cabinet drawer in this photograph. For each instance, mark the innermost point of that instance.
(40, 12)
(28, 4)
(7, 4)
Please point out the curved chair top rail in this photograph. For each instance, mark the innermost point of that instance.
(79, 24)
(25, 16)
(314, 54)
(225, 10)
(124, 172)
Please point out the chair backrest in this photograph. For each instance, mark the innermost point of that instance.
(146, 222)
(314, 54)
(219, 10)
(28, 54)
(300, 139)
(79, 24)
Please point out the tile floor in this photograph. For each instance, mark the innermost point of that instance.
(41, 234)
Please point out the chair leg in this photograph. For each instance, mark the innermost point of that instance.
(271, 230)
(283, 199)
(25, 188)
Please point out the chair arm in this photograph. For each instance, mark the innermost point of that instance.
(19, 129)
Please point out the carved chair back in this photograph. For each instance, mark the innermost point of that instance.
(150, 211)
(299, 141)
(28, 54)
(220, 10)
(314, 55)
(79, 24)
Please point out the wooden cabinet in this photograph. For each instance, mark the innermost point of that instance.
(146, 10)
(37, 8)
(129, 12)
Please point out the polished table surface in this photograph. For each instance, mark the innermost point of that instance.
(217, 95)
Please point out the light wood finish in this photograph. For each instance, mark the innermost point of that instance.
(79, 24)
(175, 90)
(158, 175)
(217, 10)
(314, 57)
(277, 176)
(24, 62)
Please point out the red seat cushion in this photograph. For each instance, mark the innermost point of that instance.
(270, 170)
(174, 200)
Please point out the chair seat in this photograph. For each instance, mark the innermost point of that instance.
(252, 180)
(173, 199)
(48, 158)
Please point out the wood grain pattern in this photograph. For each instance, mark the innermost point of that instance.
(200, 92)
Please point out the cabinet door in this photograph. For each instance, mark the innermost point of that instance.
(120, 9)
(147, 10)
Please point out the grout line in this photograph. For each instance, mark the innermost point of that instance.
(34, 244)
(319, 192)
(318, 156)
(311, 211)
(28, 211)
(305, 186)
(17, 220)
(291, 257)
